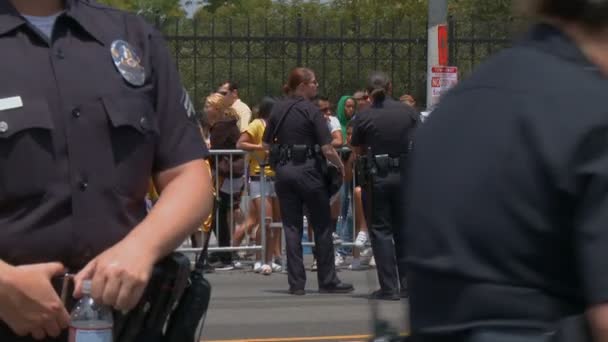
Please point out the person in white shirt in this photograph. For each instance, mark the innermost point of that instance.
(230, 90)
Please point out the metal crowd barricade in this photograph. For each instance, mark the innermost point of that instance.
(233, 189)
(216, 155)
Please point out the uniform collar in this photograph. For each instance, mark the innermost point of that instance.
(80, 11)
(10, 19)
(554, 41)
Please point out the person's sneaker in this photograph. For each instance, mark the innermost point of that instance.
(266, 269)
(367, 253)
(372, 262)
(338, 288)
(381, 295)
(336, 238)
(257, 266)
(313, 267)
(237, 265)
(339, 260)
(276, 267)
(361, 240)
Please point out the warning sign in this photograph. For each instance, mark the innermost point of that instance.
(443, 78)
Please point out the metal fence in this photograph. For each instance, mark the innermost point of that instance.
(258, 53)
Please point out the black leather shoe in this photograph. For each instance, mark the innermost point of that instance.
(338, 288)
(381, 295)
(297, 292)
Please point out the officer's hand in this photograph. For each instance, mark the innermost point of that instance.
(28, 303)
(118, 276)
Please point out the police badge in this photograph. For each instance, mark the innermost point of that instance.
(128, 63)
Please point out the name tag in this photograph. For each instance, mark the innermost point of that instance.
(11, 103)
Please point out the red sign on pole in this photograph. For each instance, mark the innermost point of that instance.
(442, 40)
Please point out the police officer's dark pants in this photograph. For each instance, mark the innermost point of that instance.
(299, 185)
(385, 231)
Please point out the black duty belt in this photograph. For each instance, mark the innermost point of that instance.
(299, 153)
(258, 178)
(385, 162)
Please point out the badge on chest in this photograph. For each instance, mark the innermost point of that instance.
(128, 63)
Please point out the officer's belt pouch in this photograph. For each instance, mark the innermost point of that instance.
(299, 153)
(146, 321)
(274, 155)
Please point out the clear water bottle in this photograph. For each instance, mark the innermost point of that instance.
(90, 322)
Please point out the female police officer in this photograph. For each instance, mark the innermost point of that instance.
(298, 133)
(508, 200)
(91, 107)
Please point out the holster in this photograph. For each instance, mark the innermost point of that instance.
(385, 163)
(146, 321)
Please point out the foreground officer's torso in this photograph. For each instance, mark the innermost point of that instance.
(76, 156)
(507, 218)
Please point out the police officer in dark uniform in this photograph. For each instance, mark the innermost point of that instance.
(382, 135)
(299, 144)
(91, 107)
(508, 198)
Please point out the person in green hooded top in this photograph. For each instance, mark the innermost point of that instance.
(345, 112)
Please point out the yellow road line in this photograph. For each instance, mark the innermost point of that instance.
(303, 339)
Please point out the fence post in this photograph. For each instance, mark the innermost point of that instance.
(299, 39)
(452, 58)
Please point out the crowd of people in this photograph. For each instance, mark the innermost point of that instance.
(227, 123)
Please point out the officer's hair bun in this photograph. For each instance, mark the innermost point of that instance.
(591, 13)
(378, 84)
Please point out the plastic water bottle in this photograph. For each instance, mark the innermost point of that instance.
(90, 322)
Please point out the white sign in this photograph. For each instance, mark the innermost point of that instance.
(443, 78)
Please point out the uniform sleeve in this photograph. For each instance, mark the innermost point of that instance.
(321, 131)
(180, 140)
(591, 220)
(358, 137)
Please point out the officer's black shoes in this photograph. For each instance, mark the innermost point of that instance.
(381, 295)
(338, 288)
(297, 292)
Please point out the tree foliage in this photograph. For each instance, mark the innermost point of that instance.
(255, 42)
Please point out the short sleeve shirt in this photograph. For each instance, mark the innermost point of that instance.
(79, 141)
(334, 124)
(387, 127)
(303, 125)
(508, 192)
(255, 130)
(244, 113)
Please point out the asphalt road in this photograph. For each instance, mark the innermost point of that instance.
(246, 306)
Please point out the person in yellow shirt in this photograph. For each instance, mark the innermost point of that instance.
(251, 140)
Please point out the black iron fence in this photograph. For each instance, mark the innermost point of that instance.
(258, 53)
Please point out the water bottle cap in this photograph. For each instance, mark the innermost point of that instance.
(86, 287)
